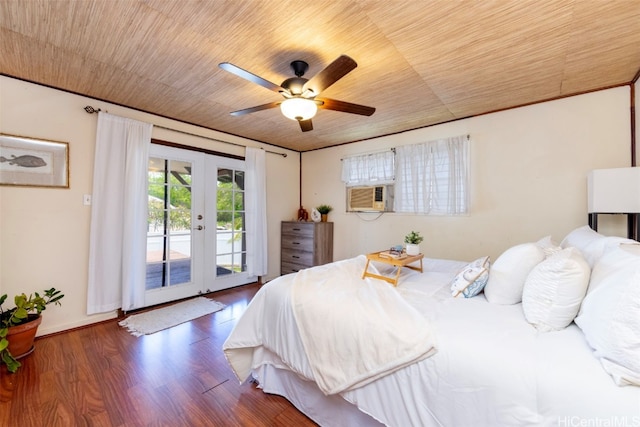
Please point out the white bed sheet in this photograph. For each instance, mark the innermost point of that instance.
(491, 367)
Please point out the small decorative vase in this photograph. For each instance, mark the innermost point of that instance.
(324, 217)
(413, 249)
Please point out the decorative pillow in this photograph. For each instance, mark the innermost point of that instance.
(609, 314)
(509, 271)
(554, 290)
(472, 279)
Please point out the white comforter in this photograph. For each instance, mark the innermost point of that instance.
(353, 330)
(491, 367)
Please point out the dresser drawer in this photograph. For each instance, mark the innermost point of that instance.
(297, 243)
(287, 267)
(297, 257)
(298, 229)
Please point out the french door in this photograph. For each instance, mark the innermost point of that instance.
(196, 224)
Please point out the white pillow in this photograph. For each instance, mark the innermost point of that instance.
(617, 258)
(509, 271)
(548, 245)
(609, 316)
(554, 290)
(591, 243)
(472, 279)
(596, 249)
(580, 238)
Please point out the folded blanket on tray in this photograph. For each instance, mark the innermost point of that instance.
(353, 330)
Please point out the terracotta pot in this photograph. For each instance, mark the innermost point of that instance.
(21, 337)
(324, 217)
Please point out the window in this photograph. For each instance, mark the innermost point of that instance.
(432, 177)
(168, 222)
(230, 223)
(369, 169)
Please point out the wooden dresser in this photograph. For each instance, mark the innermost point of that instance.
(305, 244)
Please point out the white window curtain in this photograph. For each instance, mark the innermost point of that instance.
(432, 177)
(118, 239)
(256, 211)
(369, 169)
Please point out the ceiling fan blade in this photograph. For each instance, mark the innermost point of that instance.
(345, 107)
(256, 108)
(234, 69)
(306, 125)
(331, 74)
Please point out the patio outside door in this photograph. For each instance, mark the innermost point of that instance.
(195, 235)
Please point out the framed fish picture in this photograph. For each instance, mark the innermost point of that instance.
(32, 162)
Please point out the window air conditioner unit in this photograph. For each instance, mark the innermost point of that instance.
(366, 199)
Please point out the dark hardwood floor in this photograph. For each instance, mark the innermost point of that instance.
(103, 376)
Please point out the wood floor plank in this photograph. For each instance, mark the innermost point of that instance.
(102, 376)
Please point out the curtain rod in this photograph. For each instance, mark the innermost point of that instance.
(370, 153)
(373, 153)
(89, 109)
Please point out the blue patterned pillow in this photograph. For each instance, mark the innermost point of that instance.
(472, 279)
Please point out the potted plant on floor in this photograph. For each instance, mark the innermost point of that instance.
(18, 325)
(413, 241)
(324, 211)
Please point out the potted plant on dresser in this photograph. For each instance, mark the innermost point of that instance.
(324, 211)
(18, 325)
(413, 241)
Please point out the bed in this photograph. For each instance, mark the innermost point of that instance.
(348, 351)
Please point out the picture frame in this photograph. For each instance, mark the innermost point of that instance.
(33, 162)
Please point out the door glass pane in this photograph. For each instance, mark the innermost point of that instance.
(169, 223)
(230, 242)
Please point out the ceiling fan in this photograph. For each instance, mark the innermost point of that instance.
(300, 94)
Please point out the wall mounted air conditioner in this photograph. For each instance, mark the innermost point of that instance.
(367, 199)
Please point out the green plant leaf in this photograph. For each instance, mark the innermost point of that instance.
(10, 361)
(21, 313)
(4, 343)
(56, 300)
(20, 300)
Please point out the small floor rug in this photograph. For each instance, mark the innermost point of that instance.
(167, 317)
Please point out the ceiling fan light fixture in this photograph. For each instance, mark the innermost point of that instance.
(299, 108)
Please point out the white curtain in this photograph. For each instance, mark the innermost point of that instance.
(369, 169)
(117, 248)
(256, 211)
(432, 177)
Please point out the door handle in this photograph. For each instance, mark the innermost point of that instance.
(199, 227)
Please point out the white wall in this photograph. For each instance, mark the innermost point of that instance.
(528, 178)
(44, 233)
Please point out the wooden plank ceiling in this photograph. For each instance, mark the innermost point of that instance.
(419, 62)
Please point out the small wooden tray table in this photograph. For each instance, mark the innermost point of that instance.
(397, 262)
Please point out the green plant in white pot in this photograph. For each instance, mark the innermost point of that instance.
(412, 241)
